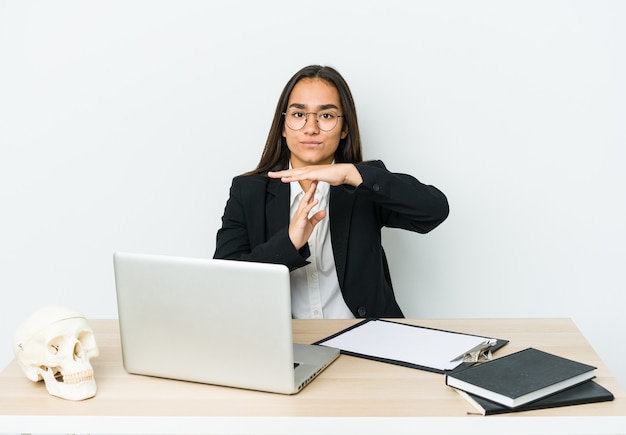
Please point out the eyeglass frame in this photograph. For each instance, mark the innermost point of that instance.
(306, 119)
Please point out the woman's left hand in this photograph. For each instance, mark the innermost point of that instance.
(335, 175)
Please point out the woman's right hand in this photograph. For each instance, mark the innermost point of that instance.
(302, 225)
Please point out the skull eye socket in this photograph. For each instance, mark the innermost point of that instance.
(54, 345)
(61, 344)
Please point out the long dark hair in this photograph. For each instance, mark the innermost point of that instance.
(276, 154)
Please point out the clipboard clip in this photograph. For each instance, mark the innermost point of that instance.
(479, 353)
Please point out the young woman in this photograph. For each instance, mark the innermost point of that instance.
(313, 205)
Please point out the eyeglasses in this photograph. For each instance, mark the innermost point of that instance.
(326, 119)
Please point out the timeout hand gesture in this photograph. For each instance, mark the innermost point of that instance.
(301, 226)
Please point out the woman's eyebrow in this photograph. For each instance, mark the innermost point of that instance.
(321, 107)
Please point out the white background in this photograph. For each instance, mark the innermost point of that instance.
(123, 122)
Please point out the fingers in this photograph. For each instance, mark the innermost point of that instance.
(332, 174)
(308, 173)
(317, 217)
(307, 203)
(309, 194)
(289, 175)
(302, 225)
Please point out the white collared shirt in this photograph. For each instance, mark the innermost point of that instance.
(315, 291)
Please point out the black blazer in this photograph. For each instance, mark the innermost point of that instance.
(256, 220)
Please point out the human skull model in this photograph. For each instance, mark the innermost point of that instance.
(56, 344)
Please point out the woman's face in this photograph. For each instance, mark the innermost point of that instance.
(311, 145)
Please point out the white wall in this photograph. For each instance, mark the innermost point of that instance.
(122, 124)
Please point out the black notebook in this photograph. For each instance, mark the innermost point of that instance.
(587, 392)
(522, 377)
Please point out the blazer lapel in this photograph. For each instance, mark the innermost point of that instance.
(340, 214)
(340, 210)
(276, 206)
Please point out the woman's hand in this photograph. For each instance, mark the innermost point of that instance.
(335, 175)
(301, 225)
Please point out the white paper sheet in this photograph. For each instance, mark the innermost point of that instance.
(400, 342)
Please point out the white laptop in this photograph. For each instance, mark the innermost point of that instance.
(219, 322)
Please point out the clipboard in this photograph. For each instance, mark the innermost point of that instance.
(413, 346)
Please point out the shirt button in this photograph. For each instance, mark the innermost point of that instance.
(375, 187)
(362, 311)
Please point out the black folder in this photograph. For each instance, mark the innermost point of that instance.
(498, 344)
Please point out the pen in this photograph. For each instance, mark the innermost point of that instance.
(480, 346)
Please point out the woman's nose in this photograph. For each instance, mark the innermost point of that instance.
(311, 123)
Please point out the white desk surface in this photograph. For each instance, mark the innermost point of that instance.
(352, 396)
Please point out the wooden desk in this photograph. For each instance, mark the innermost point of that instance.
(352, 396)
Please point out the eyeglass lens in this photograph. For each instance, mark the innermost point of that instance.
(326, 119)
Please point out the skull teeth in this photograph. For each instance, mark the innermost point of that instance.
(76, 378)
